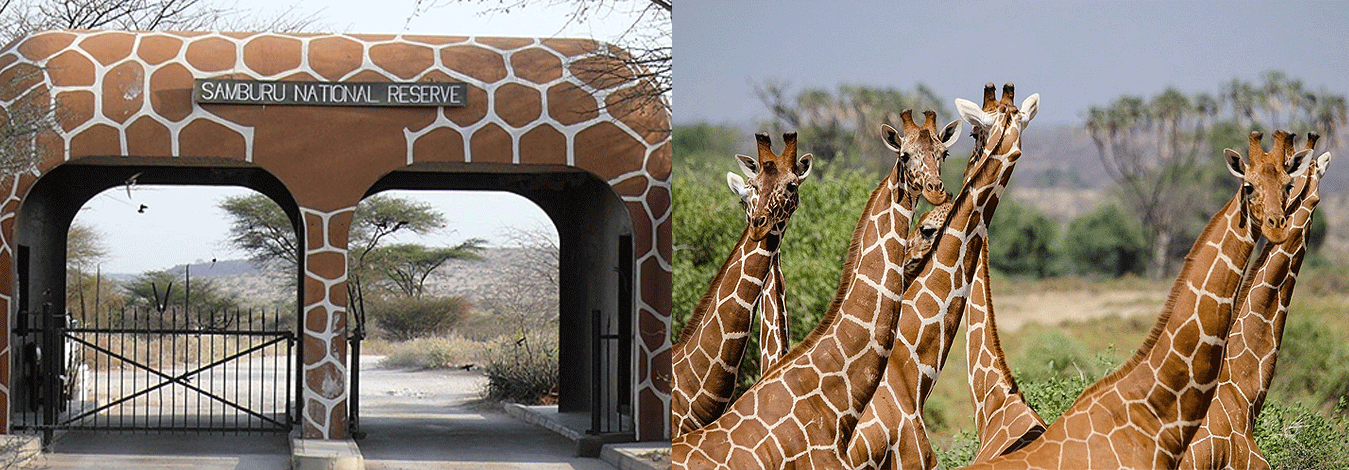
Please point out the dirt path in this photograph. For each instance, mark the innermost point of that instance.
(428, 420)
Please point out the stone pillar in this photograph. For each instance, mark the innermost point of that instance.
(323, 410)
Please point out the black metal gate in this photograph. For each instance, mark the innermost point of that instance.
(158, 369)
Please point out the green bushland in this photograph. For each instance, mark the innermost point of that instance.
(442, 352)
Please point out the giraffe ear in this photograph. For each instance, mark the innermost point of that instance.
(737, 185)
(748, 165)
(972, 113)
(1298, 163)
(1321, 163)
(1028, 109)
(803, 166)
(1234, 164)
(951, 133)
(891, 137)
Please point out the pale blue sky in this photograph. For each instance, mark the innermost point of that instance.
(183, 225)
(1074, 53)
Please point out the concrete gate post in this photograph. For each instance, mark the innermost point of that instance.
(323, 410)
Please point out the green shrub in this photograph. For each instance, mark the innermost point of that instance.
(521, 369)
(1020, 240)
(958, 451)
(1296, 437)
(434, 353)
(1106, 241)
(1313, 364)
(405, 318)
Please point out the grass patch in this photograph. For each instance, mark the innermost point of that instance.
(434, 353)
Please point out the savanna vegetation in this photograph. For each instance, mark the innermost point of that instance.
(1165, 179)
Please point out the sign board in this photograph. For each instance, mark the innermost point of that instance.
(330, 93)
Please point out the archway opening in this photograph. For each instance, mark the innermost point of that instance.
(143, 333)
(582, 248)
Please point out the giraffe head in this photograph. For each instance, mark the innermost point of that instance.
(1267, 181)
(769, 195)
(923, 238)
(998, 119)
(921, 151)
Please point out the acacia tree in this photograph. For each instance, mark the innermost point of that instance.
(406, 266)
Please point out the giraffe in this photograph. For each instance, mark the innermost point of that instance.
(774, 336)
(707, 356)
(1225, 439)
(1143, 414)
(891, 430)
(805, 404)
(1003, 419)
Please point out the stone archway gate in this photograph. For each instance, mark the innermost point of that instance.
(124, 100)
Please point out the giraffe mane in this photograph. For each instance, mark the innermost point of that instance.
(709, 296)
(1165, 317)
(850, 264)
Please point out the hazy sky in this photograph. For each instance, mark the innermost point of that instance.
(1074, 53)
(182, 224)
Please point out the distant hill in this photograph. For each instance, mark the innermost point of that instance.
(242, 278)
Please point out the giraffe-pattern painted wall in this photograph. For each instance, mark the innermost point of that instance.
(531, 102)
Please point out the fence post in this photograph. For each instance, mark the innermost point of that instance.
(52, 333)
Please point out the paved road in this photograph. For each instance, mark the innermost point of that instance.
(413, 420)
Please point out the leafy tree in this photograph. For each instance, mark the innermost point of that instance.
(1020, 240)
(1105, 241)
(407, 266)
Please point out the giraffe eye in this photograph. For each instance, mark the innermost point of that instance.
(927, 232)
(792, 186)
(1247, 188)
(903, 156)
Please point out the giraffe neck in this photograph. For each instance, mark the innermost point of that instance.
(1154, 403)
(774, 335)
(706, 360)
(891, 425)
(806, 404)
(1227, 431)
(1003, 419)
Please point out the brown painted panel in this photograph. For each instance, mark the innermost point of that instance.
(659, 162)
(71, 68)
(518, 105)
(656, 285)
(155, 50)
(335, 57)
(440, 145)
(109, 47)
(569, 104)
(476, 62)
(651, 330)
(43, 45)
(506, 43)
(327, 265)
(18, 78)
(601, 72)
(436, 40)
(123, 91)
(536, 65)
(171, 92)
(212, 54)
(146, 137)
(99, 139)
(339, 228)
(543, 145)
(77, 108)
(202, 138)
(405, 61)
(270, 55)
(491, 144)
(607, 151)
(317, 318)
(572, 47)
(474, 110)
